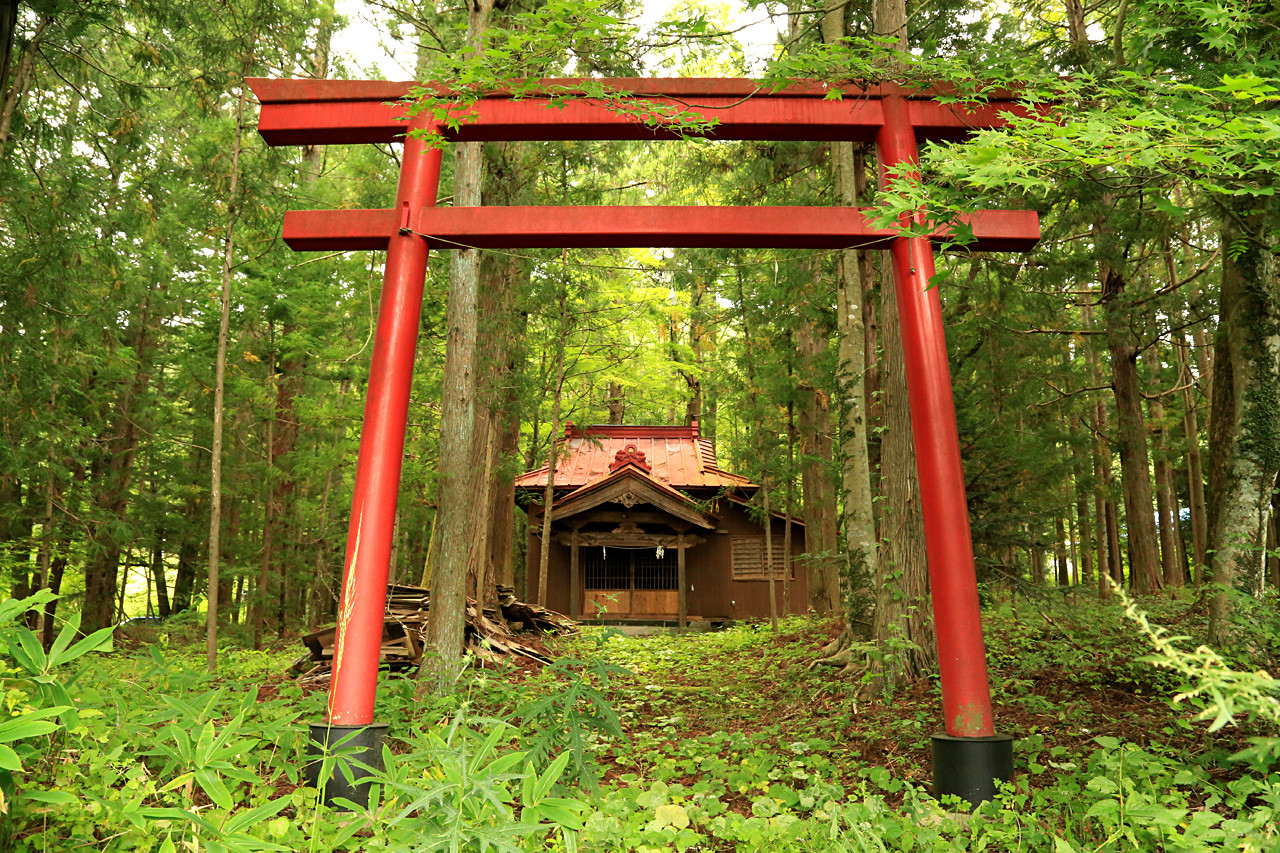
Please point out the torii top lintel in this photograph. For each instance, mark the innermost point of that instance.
(329, 112)
(321, 112)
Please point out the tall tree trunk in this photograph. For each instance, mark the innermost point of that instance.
(1195, 476)
(698, 333)
(855, 274)
(484, 463)
(1244, 433)
(1131, 432)
(1166, 501)
(219, 381)
(163, 610)
(902, 609)
(1115, 556)
(123, 587)
(789, 507)
(184, 579)
(1085, 529)
(553, 455)
(44, 558)
(325, 584)
(762, 447)
(190, 545)
(261, 589)
(22, 78)
(816, 466)
(1273, 548)
(1191, 441)
(768, 555)
(1077, 30)
(229, 606)
(62, 547)
(287, 380)
(500, 350)
(1072, 546)
(501, 487)
(502, 494)
(110, 482)
(8, 27)
(57, 570)
(458, 480)
(615, 402)
(1060, 552)
(855, 381)
(52, 488)
(1104, 508)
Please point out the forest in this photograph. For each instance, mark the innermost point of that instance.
(182, 395)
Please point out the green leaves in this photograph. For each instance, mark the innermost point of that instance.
(536, 804)
(210, 758)
(23, 725)
(29, 654)
(459, 794)
(1227, 693)
(1249, 87)
(568, 716)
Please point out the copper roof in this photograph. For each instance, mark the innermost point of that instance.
(678, 455)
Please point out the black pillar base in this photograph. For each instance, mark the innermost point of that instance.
(971, 768)
(355, 754)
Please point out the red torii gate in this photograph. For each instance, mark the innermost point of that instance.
(323, 112)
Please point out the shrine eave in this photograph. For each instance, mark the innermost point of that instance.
(630, 485)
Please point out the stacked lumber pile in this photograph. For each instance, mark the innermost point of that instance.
(489, 635)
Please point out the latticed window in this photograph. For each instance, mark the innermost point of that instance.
(605, 569)
(654, 572)
(629, 568)
(748, 559)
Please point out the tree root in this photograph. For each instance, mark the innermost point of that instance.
(840, 658)
(842, 652)
(829, 655)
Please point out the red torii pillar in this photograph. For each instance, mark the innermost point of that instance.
(969, 756)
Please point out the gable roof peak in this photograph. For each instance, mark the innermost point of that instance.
(676, 455)
(630, 455)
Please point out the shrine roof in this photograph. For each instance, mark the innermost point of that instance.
(677, 457)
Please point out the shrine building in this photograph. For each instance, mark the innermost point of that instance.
(639, 509)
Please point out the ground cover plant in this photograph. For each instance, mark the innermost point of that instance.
(719, 741)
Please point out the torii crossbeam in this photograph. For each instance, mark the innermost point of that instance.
(324, 112)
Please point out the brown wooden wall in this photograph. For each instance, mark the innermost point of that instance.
(557, 581)
(713, 593)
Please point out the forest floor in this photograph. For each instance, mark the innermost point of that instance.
(724, 741)
(1063, 676)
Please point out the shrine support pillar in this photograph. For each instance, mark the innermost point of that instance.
(682, 579)
(575, 572)
(350, 729)
(970, 758)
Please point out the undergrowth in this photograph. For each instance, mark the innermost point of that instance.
(1129, 738)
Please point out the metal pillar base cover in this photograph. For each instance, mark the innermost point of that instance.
(354, 753)
(971, 768)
